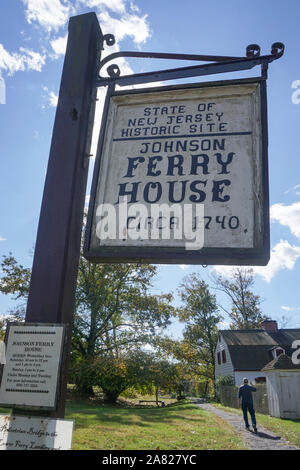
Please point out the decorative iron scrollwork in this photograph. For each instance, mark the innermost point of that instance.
(253, 50)
(277, 49)
(113, 70)
(220, 64)
(109, 39)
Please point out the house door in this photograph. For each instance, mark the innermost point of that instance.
(289, 395)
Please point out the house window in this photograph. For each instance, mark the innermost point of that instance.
(260, 380)
(219, 358)
(279, 351)
(223, 356)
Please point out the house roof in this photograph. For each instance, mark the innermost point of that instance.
(252, 349)
(249, 357)
(281, 362)
(260, 337)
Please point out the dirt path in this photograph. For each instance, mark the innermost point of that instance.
(263, 440)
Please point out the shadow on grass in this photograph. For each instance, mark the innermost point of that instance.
(85, 415)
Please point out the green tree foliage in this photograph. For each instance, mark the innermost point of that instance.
(135, 369)
(15, 279)
(224, 380)
(115, 310)
(162, 375)
(112, 374)
(200, 312)
(115, 314)
(2, 329)
(245, 310)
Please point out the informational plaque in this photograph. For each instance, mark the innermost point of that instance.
(181, 175)
(34, 433)
(33, 360)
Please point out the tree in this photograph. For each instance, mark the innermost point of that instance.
(224, 380)
(15, 279)
(115, 311)
(200, 312)
(2, 328)
(163, 375)
(112, 374)
(245, 310)
(137, 369)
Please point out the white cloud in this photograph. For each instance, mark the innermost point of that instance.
(283, 256)
(54, 14)
(50, 14)
(2, 239)
(287, 215)
(134, 7)
(297, 186)
(224, 325)
(134, 26)
(33, 60)
(289, 309)
(59, 45)
(51, 97)
(117, 6)
(24, 60)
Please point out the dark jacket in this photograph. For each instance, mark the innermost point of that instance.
(245, 393)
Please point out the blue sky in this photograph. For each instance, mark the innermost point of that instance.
(32, 42)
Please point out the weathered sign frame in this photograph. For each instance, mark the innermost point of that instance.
(60, 368)
(258, 255)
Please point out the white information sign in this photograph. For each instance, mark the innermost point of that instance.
(185, 148)
(31, 372)
(32, 433)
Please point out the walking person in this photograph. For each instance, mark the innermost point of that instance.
(245, 394)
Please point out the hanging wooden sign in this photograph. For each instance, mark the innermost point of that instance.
(181, 176)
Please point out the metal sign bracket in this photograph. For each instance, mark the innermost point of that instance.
(220, 64)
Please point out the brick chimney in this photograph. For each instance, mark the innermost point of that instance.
(269, 325)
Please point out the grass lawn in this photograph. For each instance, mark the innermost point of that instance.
(286, 428)
(180, 426)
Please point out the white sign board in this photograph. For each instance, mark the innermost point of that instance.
(31, 372)
(32, 433)
(192, 148)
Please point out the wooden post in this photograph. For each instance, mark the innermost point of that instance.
(54, 272)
